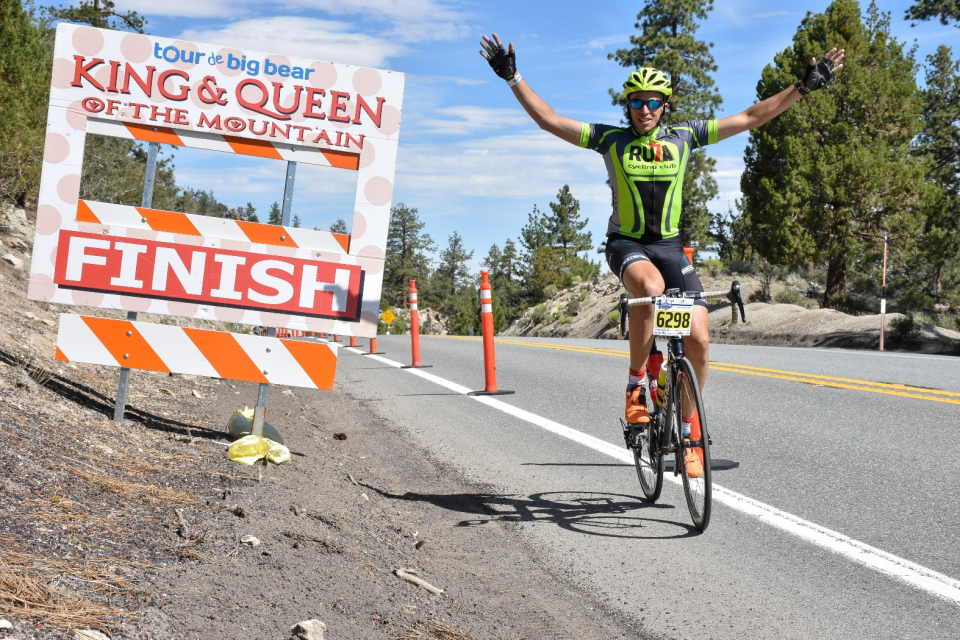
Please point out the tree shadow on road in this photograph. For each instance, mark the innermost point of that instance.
(591, 513)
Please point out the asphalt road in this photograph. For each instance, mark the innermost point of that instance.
(841, 520)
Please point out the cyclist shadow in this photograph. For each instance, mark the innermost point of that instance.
(598, 514)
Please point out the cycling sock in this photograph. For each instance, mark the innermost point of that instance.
(637, 378)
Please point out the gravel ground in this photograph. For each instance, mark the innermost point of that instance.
(137, 529)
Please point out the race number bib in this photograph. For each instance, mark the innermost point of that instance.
(672, 317)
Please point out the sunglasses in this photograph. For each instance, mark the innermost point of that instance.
(652, 104)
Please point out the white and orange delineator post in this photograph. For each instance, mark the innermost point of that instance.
(489, 357)
(414, 331)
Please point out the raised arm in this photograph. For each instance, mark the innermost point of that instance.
(816, 76)
(503, 62)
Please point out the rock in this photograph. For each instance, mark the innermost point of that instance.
(307, 630)
(89, 634)
(13, 222)
(14, 260)
(196, 394)
(5, 624)
(29, 315)
(287, 392)
(253, 541)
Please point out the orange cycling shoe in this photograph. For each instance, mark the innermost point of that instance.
(637, 406)
(694, 457)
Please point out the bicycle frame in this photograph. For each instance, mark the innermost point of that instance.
(675, 347)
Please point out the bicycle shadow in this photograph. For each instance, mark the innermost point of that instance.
(590, 513)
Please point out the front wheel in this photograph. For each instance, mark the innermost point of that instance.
(648, 461)
(698, 489)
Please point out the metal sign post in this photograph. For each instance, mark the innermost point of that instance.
(260, 411)
(883, 290)
(146, 202)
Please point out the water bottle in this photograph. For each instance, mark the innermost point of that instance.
(662, 386)
(654, 362)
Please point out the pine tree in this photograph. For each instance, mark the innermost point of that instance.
(944, 10)
(276, 215)
(98, 13)
(296, 221)
(933, 271)
(828, 176)
(551, 244)
(565, 227)
(667, 41)
(407, 248)
(507, 288)
(25, 63)
(339, 226)
(250, 213)
(452, 276)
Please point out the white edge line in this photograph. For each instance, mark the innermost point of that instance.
(913, 574)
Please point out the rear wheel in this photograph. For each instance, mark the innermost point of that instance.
(698, 489)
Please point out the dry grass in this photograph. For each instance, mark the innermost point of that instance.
(34, 586)
(432, 629)
(134, 490)
(63, 511)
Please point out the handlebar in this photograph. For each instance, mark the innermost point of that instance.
(733, 295)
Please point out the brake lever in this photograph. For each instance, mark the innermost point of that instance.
(735, 298)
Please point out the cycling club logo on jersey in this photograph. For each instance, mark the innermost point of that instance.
(646, 157)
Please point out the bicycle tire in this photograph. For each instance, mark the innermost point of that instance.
(649, 466)
(697, 491)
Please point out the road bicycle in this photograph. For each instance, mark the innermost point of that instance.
(680, 395)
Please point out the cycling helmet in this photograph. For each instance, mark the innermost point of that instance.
(648, 79)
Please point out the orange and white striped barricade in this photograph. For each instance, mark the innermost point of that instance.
(201, 352)
(489, 357)
(414, 331)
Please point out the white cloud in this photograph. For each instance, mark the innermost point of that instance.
(530, 166)
(303, 37)
(183, 8)
(467, 120)
(460, 81)
(410, 20)
(729, 170)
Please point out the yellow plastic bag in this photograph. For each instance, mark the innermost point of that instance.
(249, 449)
(241, 424)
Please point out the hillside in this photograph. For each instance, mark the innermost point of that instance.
(584, 311)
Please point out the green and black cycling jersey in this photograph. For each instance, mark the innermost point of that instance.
(646, 173)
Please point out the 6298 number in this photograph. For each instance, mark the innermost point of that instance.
(673, 319)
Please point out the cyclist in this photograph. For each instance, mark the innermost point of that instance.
(645, 162)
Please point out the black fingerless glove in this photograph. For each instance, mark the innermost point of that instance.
(503, 62)
(816, 76)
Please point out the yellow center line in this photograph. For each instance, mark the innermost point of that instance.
(886, 388)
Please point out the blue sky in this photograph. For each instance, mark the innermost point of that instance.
(470, 160)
